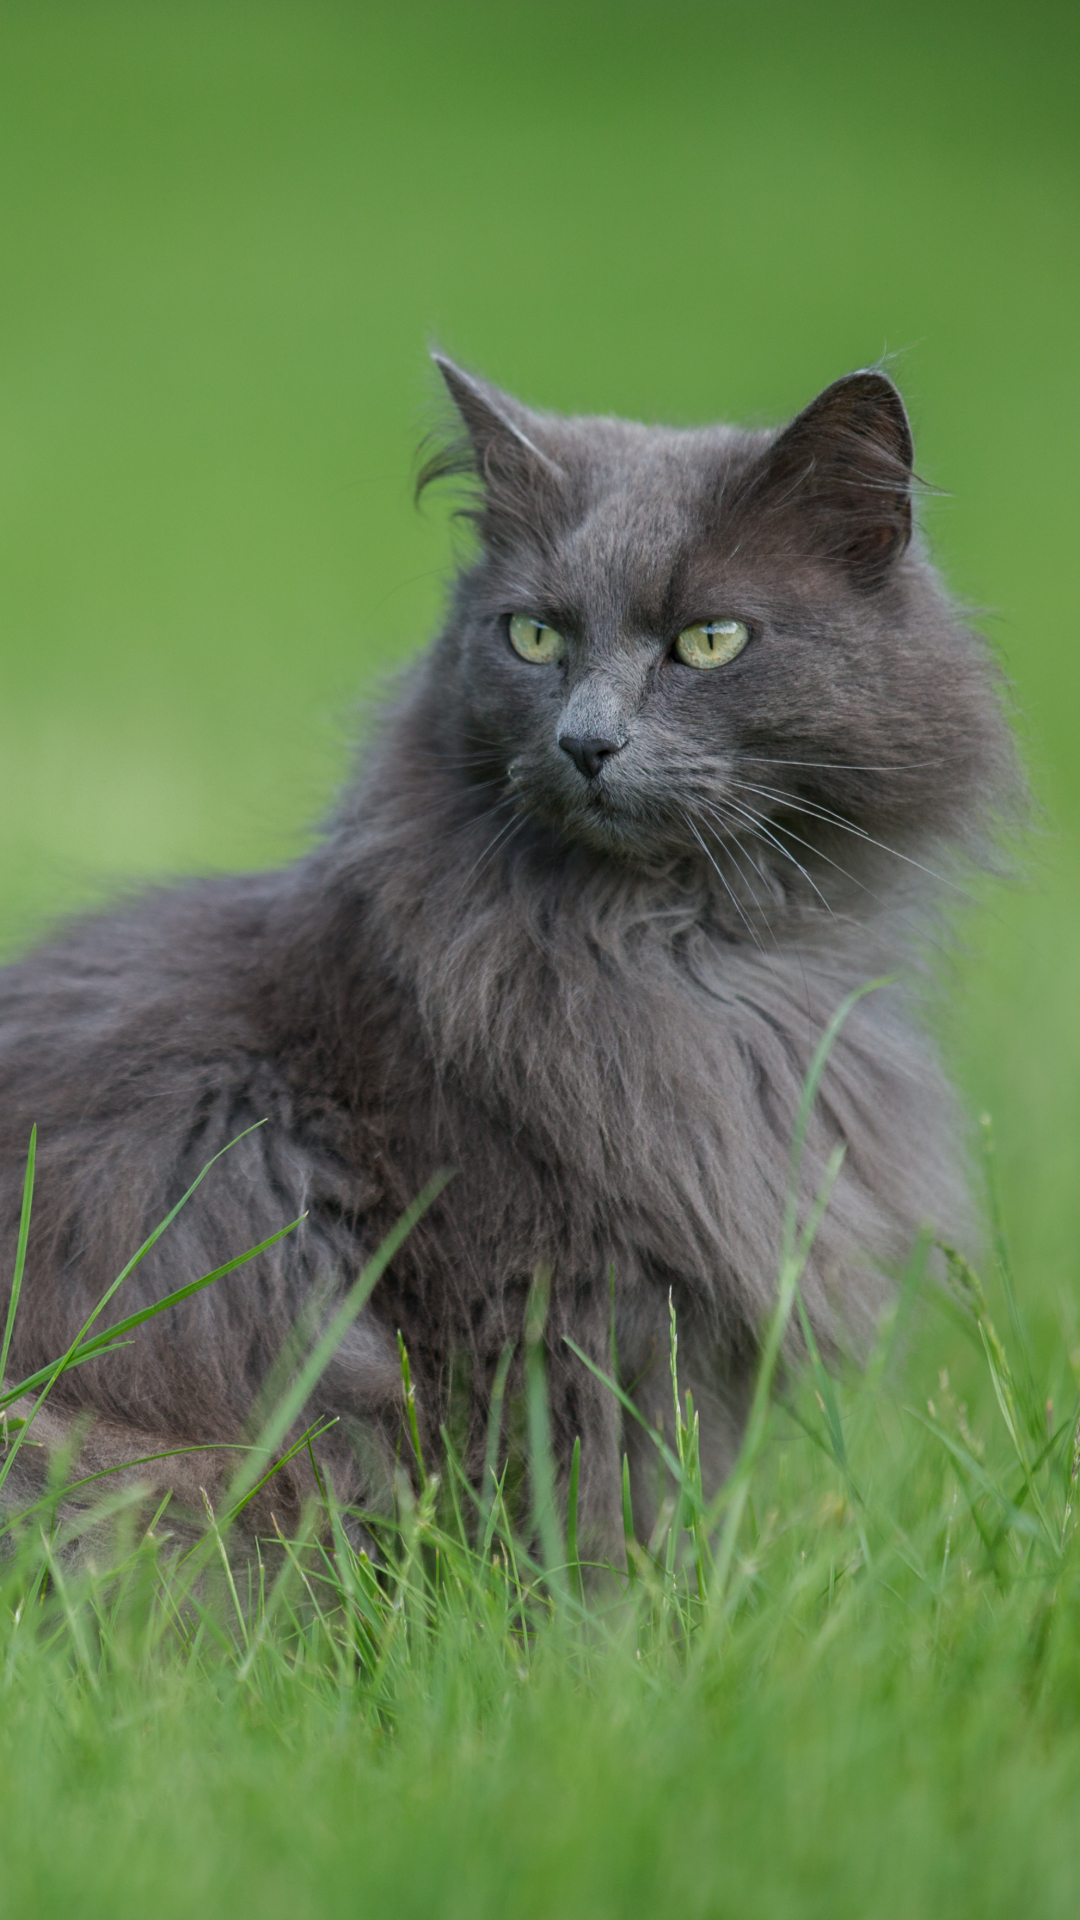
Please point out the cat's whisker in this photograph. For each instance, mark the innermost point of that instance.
(482, 786)
(863, 886)
(839, 766)
(730, 843)
(794, 945)
(733, 847)
(727, 846)
(453, 763)
(470, 789)
(468, 823)
(909, 919)
(509, 827)
(733, 897)
(471, 817)
(451, 754)
(758, 826)
(762, 823)
(814, 811)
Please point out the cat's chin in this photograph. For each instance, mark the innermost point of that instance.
(615, 832)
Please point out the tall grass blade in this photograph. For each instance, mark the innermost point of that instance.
(805, 1108)
(541, 1461)
(489, 1486)
(20, 1254)
(795, 1251)
(409, 1397)
(283, 1416)
(53, 1373)
(1028, 1397)
(573, 1563)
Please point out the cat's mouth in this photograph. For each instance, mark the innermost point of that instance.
(606, 820)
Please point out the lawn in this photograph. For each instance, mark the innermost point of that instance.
(229, 234)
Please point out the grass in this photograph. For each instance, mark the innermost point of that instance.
(232, 229)
(847, 1683)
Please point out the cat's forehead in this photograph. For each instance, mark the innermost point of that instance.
(646, 498)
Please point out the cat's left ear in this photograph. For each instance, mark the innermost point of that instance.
(844, 467)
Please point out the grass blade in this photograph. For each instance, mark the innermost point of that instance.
(327, 1345)
(541, 1462)
(79, 1341)
(20, 1253)
(573, 1564)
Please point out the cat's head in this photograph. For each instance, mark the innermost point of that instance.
(678, 643)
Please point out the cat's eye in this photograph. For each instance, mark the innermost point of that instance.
(536, 642)
(711, 643)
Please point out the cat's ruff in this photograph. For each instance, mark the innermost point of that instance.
(575, 932)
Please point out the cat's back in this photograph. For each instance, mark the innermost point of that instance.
(137, 1042)
(176, 972)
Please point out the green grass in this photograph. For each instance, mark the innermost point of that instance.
(228, 232)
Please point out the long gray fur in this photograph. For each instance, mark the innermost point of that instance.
(594, 999)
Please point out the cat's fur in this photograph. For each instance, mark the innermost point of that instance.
(594, 999)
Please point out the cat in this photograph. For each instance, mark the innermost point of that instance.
(698, 748)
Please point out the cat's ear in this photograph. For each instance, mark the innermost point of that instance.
(843, 467)
(494, 424)
(520, 482)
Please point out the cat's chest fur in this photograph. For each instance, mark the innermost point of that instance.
(612, 1081)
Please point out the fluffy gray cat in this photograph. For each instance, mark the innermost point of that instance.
(699, 733)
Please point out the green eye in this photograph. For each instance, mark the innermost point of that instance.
(712, 643)
(535, 642)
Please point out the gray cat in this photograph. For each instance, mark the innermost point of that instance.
(698, 734)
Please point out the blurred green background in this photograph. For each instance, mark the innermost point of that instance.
(228, 234)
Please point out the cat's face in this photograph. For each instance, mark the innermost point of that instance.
(671, 634)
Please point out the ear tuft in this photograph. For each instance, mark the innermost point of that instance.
(520, 483)
(491, 419)
(844, 466)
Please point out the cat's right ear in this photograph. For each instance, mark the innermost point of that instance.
(519, 481)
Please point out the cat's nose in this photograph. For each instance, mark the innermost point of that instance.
(589, 751)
